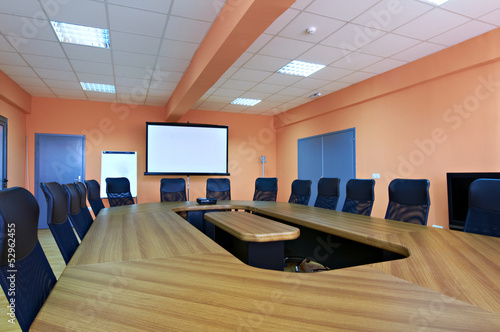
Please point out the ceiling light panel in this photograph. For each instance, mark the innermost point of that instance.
(246, 101)
(107, 88)
(81, 35)
(300, 68)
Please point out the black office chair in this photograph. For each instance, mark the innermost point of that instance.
(78, 219)
(94, 196)
(359, 196)
(301, 192)
(483, 216)
(409, 201)
(219, 189)
(266, 189)
(118, 191)
(82, 190)
(57, 219)
(34, 278)
(328, 193)
(173, 190)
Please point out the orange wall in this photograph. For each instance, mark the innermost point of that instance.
(118, 127)
(446, 124)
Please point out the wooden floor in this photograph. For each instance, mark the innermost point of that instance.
(56, 262)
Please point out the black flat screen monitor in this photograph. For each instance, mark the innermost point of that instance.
(186, 149)
(458, 195)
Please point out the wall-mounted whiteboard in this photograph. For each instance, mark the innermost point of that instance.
(116, 164)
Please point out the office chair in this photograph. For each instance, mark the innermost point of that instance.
(483, 215)
(328, 193)
(82, 190)
(34, 278)
(118, 191)
(301, 192)
(359, 196)
(94, 196)
(173, 190)
(408, 201)
(266, 189)
(78, 219)
(219, 189)
(57, 219)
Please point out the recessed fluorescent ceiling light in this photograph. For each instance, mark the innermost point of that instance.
(246, 101)
(300, 68)
(98, 87)
(437, 2)
(82, 35)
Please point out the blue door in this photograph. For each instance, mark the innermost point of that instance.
(330, 155)
(58, 158)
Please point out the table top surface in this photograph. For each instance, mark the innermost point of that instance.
(144, 267)
(252, 228)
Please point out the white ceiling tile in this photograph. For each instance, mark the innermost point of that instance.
(352, 37)
(219, 99)
(301, 4)
(166, 76)
(251, 75)
(197, 9)
(285, 48)
(340, 9)
(282, 79)
(132, 72)
(131, 82)
(431, 24)
(334, 86)
(96, 78)
(5, 46)
(54, 83)
(133, 59)
(356, 77)
(282, 21)
(62, 75)
(163, 85)
(69, 94)
(242, 59)
(101, 96)
(161, 6)
(38, 47)
(259, 43)
(28, 81)
(356, 61)
(166, 64)
(295, 92)
(267, 88)
(87, 53)
(388, 45)
(39, 91)
(462, 33)
(27, 27)
(217, 84)
(159, 93)
(47, 62)
(418, 51)
(233, 108)
(9, 58)
(278, 98)
(92, 67)
(81, 12)
(228, 92)
(136, 21)
(121, 41)
(322, 54)
(324, 27)
(230, 71)
(178, 49)
(331, 73)
(472, 9)
(264, 62)
(492, 18)
(185, 29)
(238, 85)
(22, 71)
(384, 65)
(390, 14)
(310, 83)
(28, 8)
(128, 95)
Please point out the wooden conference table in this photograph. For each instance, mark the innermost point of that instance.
(143, 267)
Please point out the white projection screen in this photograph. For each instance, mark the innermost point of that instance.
(186, 149)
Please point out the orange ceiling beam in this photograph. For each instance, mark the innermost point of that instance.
(239, 24)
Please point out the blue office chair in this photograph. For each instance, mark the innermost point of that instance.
(301, 192)
(57, 219)
(78, 219)
(359, 196)
(82, 190)
(219, 189)
(34, 278)
(266, 189)
(483, 215)
(328, 193)
(94, 196)
(409, 201)
(173, 190)
(118, 191)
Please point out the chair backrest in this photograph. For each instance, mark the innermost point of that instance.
(266, 189)
(219, 189)
(172, 190)
(359, 196)
(94, 196)
(118, 191)
(75, 214)
(328, 193)
(409, 201)
(57, 219)
(34, 278)
(82, 190)
(483, 216)
(301, 192)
